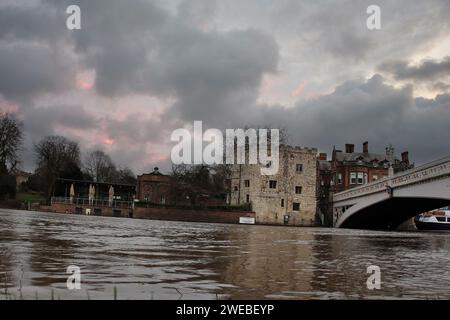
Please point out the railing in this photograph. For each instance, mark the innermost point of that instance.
(93, 202)
(425, 172)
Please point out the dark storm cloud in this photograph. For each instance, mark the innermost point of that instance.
(339, 31)
(218, 75)
(138, 48)
(426, 70)
(116, 40)
(29, 68)
(197, 12)
(441, 86)
(135, 128)
(42, 121)
(211, 74)
(368, 110)
(47, 120)
(212, 69)
(38, 22)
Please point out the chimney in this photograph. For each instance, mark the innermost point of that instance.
(366, 147)
(349, 148)
(405, 157)
(322, 156)
(390, 153)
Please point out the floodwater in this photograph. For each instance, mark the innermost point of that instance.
(144, 259)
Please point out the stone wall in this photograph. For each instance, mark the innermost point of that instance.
(272, 205)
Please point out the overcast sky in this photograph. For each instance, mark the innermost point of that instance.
(139, 69)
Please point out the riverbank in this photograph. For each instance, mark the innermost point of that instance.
(153, 213)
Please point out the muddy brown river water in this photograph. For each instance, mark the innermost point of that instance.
(144, 259)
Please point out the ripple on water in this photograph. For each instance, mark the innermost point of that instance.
(146, 259)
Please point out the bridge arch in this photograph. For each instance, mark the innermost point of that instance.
(386, 204)
(388, 214)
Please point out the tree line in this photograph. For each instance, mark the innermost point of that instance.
(55, 157)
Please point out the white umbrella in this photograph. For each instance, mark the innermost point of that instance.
(111, 195)
(72, 192)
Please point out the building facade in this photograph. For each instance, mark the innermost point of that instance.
(158, 188)
(287, 198)
(154, 187)
(348, 169)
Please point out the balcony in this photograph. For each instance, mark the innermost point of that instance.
(93, 203)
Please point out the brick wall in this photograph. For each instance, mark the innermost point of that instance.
(171, 214)
(95, 211)
(176, 214)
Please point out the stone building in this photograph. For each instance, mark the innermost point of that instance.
(289, 197)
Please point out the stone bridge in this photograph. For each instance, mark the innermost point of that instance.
(388, 202)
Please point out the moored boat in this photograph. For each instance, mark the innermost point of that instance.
(434, 220)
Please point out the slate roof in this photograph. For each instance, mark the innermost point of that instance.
(366, 157)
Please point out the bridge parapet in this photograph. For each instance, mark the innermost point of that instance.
(432, 170)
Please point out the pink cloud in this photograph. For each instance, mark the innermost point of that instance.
(8, 107)
(298, 90)
(108, 141)
(267, 84)
(86, 80)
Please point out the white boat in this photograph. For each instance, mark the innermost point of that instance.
(434, 220)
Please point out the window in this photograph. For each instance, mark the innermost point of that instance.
(272, 184)
(235, 188)
(360, 178)
(440, 219)
(352, 177)
(247, 183)
(269, 164)
(374, 177)
(299, 167)
(247, 198)
(298, 190)
(339, 178)
(296, 206)
(282, 203)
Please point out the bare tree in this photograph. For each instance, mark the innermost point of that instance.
(125, 176)
(100, 167)
(54, 155)
(10, 142)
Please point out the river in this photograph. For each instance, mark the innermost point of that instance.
(144, 259)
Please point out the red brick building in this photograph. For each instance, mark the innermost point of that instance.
(348, 169)
(154, 187)
(159, 188)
